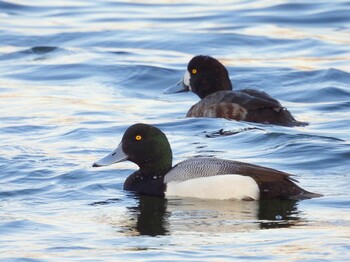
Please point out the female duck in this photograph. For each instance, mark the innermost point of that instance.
(202, 177)
(209, 79)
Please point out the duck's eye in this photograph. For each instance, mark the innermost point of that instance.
(138, 137)
(194, 71)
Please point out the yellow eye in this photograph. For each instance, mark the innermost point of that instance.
(194, 71)
(138, 137)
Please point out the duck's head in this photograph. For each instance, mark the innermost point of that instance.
(146, 146)
(205, 75)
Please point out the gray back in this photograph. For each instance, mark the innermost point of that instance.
(210, 166)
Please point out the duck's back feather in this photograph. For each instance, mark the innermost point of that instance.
(210, 166)
(261, 95)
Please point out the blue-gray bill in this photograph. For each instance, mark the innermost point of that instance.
(116, 156)
(178, 88)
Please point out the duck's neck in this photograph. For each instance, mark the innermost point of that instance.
(156, 169)
(212, 84)
(147, 180)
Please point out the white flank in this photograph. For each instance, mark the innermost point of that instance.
(220, 187)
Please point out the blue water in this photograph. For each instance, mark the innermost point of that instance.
(75, 74)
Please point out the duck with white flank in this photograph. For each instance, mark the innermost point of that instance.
(201, 177)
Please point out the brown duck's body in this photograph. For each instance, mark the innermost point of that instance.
(244, 105)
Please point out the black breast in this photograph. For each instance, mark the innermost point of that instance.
(145, 184)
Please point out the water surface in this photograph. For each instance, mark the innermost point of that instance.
(75, 74)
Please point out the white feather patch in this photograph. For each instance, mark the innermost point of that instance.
(220, 187)
(186, 80)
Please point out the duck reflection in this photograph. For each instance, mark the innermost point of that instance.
(151, 216)
(278, 213)
(157, 216)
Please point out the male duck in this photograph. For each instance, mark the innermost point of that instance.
(201, 177)
(209, 79)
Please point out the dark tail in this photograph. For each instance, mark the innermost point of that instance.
(305, 195)
(281, 117)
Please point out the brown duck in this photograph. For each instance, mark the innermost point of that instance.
(209, 79)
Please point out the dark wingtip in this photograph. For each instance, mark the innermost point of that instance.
(313, 195)
(306, 195)
(298, 123)
(95, 165)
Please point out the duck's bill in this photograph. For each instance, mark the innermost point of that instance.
(116, 156)
(178, 88)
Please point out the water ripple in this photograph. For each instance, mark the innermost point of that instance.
(76, 74)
